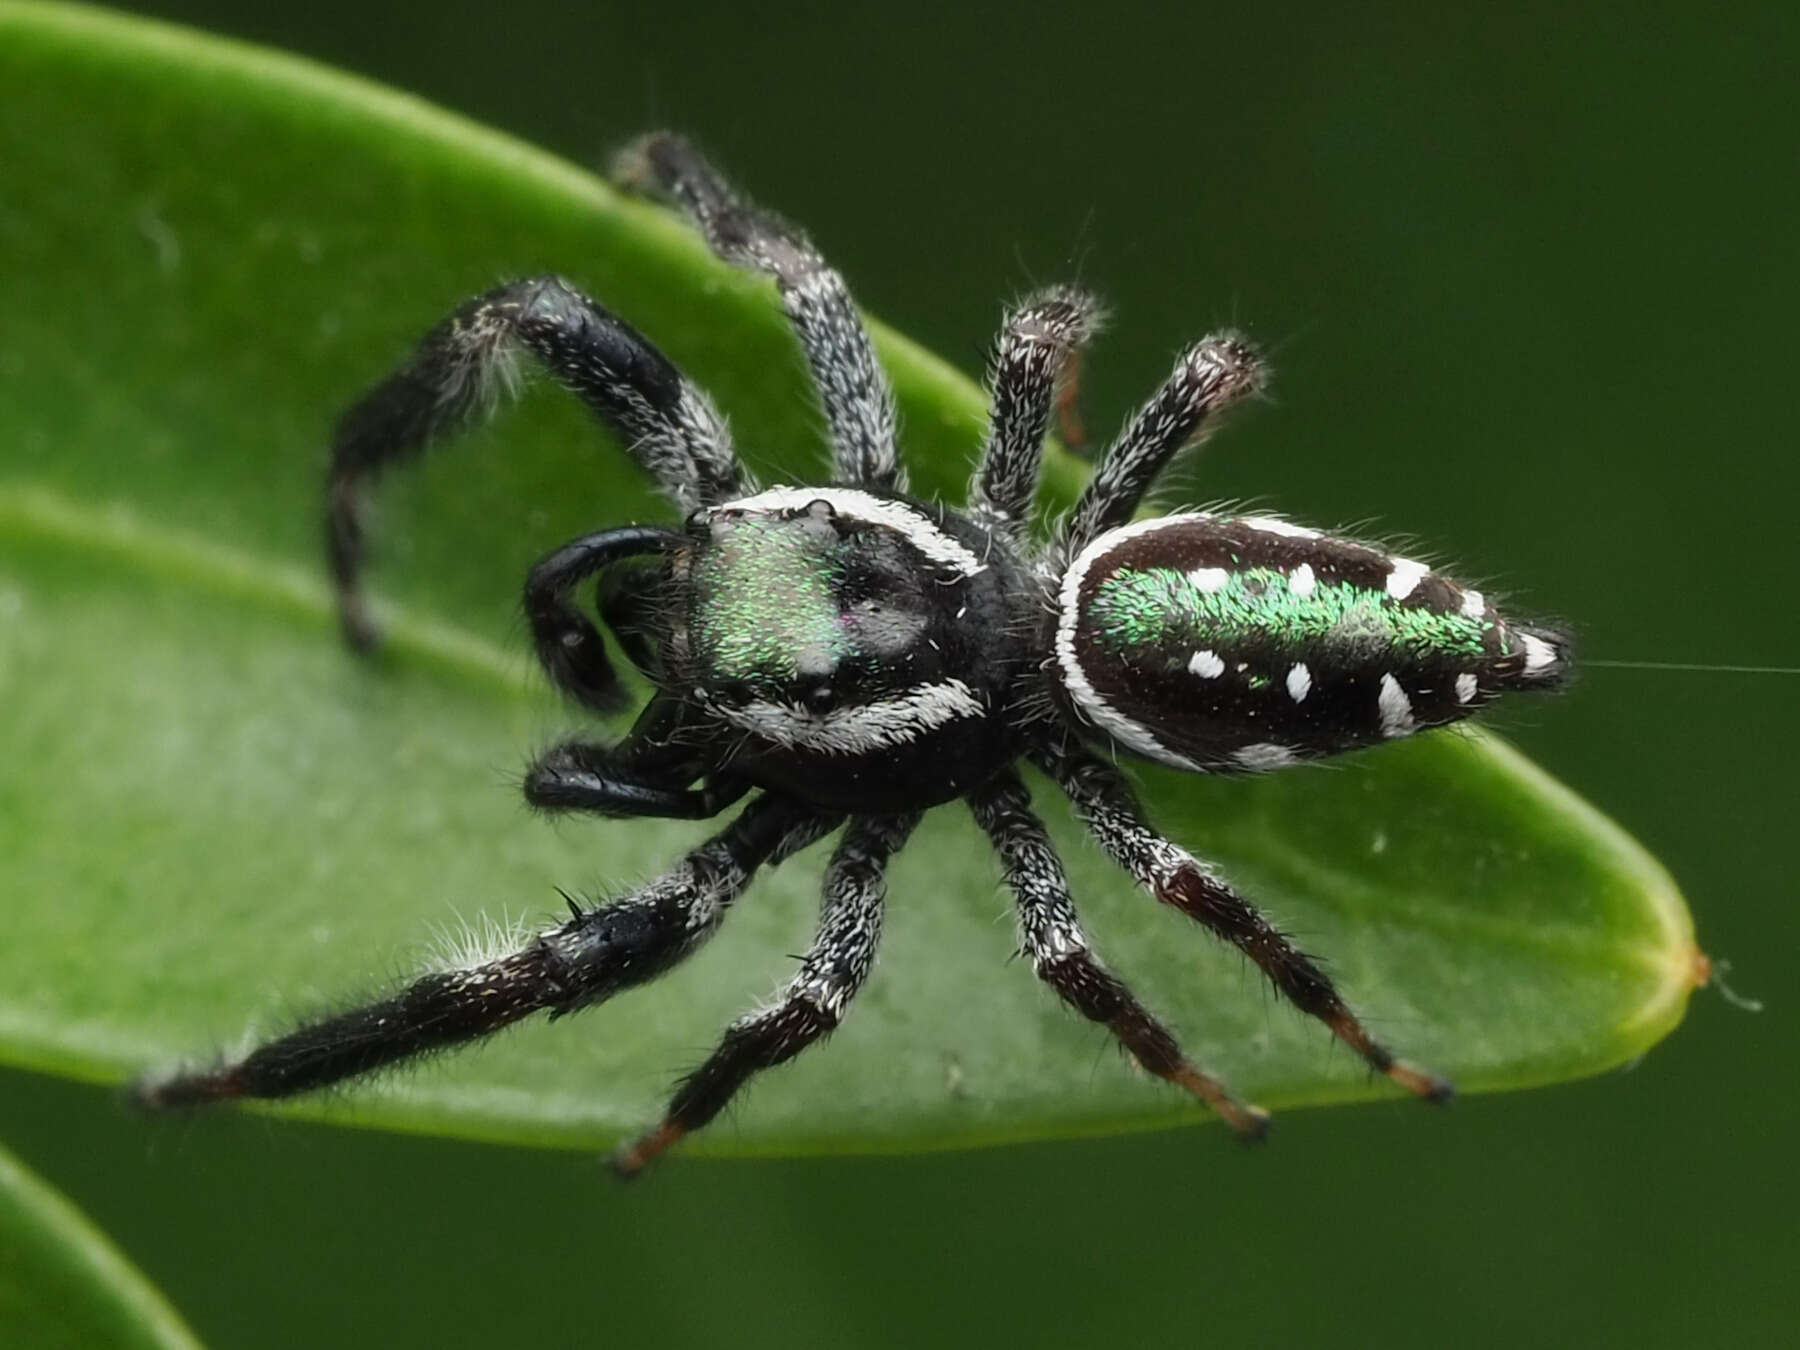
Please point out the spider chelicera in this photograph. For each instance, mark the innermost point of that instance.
(852, 656)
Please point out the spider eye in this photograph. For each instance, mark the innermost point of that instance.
(820, 698)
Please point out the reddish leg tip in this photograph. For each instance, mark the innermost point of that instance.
(1251, 1123)
(1422, 1082)
(625, 1164)
(175, 1092)
(631, 1159)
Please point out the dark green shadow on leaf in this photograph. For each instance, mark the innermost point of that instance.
(226, 821)
(62, 1284)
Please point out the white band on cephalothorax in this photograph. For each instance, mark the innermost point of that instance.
(1087, 699)
(1266, 755)
(854, 504)
(859, 728)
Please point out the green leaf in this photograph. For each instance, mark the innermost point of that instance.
(63, 1284)
(217, 818)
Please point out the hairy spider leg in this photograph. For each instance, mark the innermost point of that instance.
(1215, 372)
(853, 388)
(1061, 955)
(1033, 356)
(582, 961)
(1106, 804)
(666, 423)
(814, 1001)
(646, 774)
(569, 647)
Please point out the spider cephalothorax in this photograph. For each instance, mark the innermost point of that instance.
(868, 648)
(853, 656)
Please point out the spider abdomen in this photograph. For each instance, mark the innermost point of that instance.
(1222, 643)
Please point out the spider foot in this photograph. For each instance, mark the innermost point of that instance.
(1250, 1123)
(629, 1160)
(184, 1091)
(1434, 1088)
(362, 635)
(1421, 1082)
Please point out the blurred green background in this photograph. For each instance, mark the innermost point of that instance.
(1529, 279)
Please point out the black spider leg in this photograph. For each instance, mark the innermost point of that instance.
(1033, 355)
(1208, 376)
(631, 607)
(646, 774)
(585, 960)
(1061, 956)
(568, 645)
(814, 1001)
(859, 405)
(1107, 805)
(667, 424)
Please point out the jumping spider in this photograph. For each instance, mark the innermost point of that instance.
(854, 655)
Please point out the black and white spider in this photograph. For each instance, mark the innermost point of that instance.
(853, 655)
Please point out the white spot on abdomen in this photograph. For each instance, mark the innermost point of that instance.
(1539, 655)
(1209, 579)
(1299, 682)
(1396, 708)
(1206, 665)
(1405, 578)
(1474, 604)
(1465, 688)
(1303, 581)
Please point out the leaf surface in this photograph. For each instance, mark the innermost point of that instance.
(217, 820)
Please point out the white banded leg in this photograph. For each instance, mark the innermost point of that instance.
(814, 1001)
(1107, 805)
(858, 404)
(1208, 376)
(1062, 958)
(1032, 357)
